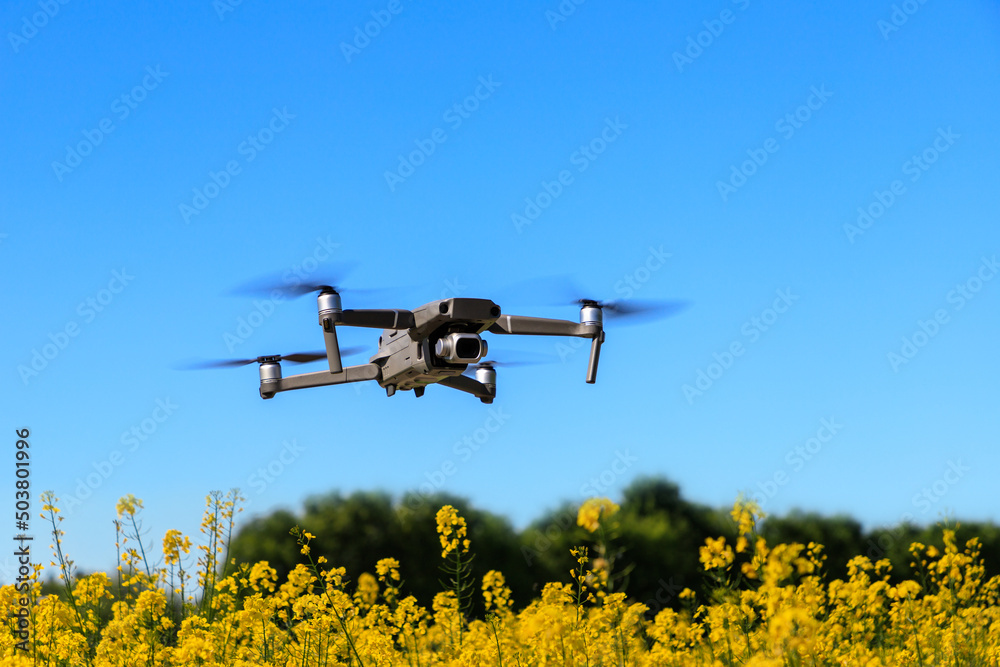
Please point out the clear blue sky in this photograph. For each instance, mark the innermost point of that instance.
(717, 152)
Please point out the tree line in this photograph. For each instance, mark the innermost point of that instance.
(655, 541)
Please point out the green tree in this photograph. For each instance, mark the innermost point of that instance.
(356, 531)
(656, 541)
(841, 537)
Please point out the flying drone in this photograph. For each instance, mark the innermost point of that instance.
(433, 344)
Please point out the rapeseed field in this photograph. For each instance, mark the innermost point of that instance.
(761, 605)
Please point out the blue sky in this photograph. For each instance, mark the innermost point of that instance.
(819, 182)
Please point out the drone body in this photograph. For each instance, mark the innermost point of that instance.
(433, 344)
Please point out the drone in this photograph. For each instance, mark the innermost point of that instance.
(436, 343)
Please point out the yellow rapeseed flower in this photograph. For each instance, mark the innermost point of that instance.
(128, 505)
(496, 595)
(367, 588)
(715, 554)
(745, 514)
(791, 613)
(451, 530)
(173, 544)
(388, 567)
(592, 510)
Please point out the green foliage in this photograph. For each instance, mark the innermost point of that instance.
(841, 537)
(655, 546)
(356, 531)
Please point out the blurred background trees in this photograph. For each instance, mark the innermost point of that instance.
(654, 539)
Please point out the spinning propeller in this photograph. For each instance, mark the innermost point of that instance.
(636, 308)
(562, 290)
(520, 359)
(294, 285)
(295, 358)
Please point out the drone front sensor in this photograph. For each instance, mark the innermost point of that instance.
(458, 348)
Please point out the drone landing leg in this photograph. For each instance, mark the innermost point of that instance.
(595, 356)
(590, 326)
(332, 346)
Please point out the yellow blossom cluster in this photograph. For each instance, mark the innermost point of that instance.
(788, 613)
(128, 505)
(716, 554)
(452, 530)
(593, 510)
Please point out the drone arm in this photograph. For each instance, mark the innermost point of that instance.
(320, 379)
(540, 326)
(377, 319)
(467, 384)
